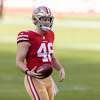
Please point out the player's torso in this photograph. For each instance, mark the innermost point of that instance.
(40, 50)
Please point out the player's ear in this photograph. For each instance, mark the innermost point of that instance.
(34, 20)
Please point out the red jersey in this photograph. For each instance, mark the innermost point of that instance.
(41, 47)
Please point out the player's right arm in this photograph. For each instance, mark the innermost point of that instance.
(23, 44)
(22, 49)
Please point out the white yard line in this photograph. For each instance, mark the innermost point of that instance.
(75, 87)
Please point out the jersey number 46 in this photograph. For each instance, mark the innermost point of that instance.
(45, 51)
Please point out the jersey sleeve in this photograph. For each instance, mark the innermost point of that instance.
(23, 36)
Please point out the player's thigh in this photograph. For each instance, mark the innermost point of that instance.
(50, 93)
(50, 87)
(36, 89)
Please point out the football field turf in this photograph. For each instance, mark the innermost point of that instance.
(76, 48)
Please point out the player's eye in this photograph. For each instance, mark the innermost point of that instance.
(45, 19)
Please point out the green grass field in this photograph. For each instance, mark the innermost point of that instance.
(82, 66)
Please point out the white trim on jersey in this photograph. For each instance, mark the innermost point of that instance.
(22, 36)
(22, 39)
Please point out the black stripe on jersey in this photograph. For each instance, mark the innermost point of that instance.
(22, 41)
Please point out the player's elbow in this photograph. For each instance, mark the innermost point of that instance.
(18, 62)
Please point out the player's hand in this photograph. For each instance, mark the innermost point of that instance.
(62, 74)
(34, 74)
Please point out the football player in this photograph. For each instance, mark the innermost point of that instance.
(34, 49)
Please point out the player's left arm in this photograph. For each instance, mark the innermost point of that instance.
(58, 66)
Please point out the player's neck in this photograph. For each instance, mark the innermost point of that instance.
(39, 32)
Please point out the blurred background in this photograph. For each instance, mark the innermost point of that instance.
(77, 46)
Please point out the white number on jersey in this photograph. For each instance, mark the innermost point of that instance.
(45, 51)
